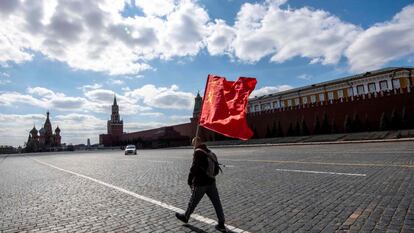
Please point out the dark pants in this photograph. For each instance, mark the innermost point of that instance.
(212, 193)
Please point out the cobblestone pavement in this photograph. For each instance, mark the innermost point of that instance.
(318, 188)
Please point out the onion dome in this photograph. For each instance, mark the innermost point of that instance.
(42, 131)
(57, 130)
(34, 130)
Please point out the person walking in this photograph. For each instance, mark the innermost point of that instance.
(202, 181)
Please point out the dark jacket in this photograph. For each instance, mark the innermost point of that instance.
(198, 176)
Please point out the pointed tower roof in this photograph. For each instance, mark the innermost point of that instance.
(34, 130)
(57, 129)
(47, 122)
(115, 100)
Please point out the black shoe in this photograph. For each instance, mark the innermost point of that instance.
(221, 227)
(181, 217)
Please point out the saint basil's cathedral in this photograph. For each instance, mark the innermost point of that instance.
(44, 139)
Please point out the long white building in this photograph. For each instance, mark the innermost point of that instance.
(382, 80)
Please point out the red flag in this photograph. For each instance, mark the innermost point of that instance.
(224, 106)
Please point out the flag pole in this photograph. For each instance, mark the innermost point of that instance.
(201, 111)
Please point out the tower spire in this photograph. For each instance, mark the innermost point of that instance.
(115, 100)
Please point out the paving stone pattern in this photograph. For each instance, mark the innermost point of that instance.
(256, 197)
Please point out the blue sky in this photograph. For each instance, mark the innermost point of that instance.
(71, 57)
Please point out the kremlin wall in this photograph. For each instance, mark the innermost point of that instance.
(372, 101)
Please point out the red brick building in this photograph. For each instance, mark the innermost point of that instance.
(44, 139)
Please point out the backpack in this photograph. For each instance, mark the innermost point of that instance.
(213, 165)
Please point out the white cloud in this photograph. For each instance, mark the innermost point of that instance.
(4, 81)
(270, 90)
(125, 89)
(383, 42)
(116, 82)
(43, 98)
(90, 87)
(183, 32)
(14, 128)
(4, 78)
(4, 74)
(76, 128)
(14, 44)
(42, 92)
(12, 98)
(266, 29)
(93, 35)
(152, 114)
(141, 100)
(156, 7)
(220, 38)
(162, 97)
(100, 100)
(306, 77)
(100, 95)
(50, 99)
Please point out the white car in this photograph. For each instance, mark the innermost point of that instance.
(130, 149)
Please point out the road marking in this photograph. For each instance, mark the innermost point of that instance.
(323, 163)
(304, 162)
(144, 198)
(320, 172)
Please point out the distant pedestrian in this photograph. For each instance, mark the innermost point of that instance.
(202, 181)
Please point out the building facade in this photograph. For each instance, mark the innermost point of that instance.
(373, 82)
(44, 139)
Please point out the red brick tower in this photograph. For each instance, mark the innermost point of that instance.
(115, 124)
